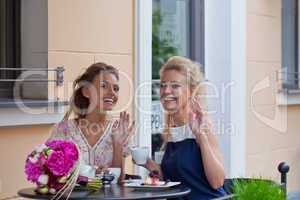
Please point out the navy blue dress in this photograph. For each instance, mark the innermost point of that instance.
(182, 162)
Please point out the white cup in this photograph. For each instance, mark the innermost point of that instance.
(87, 170)
(140, 154)
(116, 172)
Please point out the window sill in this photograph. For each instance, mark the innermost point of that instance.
(30, 112)
(288, 98)
(10, 103)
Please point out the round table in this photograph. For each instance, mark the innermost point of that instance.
(115, 192)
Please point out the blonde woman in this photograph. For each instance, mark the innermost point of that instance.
(102, 141)
(192, 155)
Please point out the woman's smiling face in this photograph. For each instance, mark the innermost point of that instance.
(103, 93)
(174, 90)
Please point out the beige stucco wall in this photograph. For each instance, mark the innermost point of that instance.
(267, 144)
(15, 144)
(80, 33)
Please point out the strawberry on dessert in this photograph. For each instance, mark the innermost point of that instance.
(154, 175)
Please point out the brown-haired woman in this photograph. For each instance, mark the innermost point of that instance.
(102, 141)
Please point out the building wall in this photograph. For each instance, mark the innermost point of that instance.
(15, 144)
(80, 33)
(272, 130)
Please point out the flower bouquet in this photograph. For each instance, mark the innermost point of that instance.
(54, 167)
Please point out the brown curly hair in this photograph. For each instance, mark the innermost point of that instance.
(79, 103)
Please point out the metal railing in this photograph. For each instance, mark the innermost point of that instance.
(59, 79)
(292, 76)
(287, 81)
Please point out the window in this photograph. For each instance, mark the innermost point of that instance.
(290, 44)
(24, 48)
(177, 29)
(10, 43)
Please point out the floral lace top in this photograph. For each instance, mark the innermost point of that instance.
(101, 154)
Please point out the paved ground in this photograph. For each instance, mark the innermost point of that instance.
(294, 195)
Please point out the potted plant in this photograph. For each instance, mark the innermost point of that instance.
(257, 188)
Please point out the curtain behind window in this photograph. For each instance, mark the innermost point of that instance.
(10, 43)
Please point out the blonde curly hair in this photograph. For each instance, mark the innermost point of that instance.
(194, 77)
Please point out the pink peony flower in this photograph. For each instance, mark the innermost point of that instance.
(71, 152)
(55, 160)
(55, 144)
(57, 164)
(33, 171)
(68, 148)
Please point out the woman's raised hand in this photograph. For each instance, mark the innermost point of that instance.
(122, 130)
(198, 120)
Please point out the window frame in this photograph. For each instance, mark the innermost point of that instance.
(197, 31)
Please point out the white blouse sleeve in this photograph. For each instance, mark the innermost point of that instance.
(57, 133)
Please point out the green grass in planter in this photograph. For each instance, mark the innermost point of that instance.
(257, 189)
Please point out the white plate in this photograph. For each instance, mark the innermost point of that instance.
(133, 181)
(161, 185)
